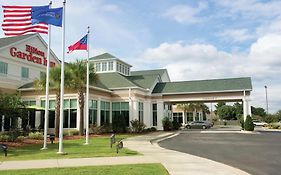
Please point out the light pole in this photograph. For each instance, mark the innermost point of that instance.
(266, 99)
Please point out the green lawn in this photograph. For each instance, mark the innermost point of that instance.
(98, 147)
(138, 169)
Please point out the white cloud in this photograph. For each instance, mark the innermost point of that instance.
(236, 35)
(185, 14)
(250, 8)
(267, 50)
(205, 61)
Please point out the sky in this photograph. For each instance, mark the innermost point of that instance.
(192, 39)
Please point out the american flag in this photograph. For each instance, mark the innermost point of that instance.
(17, 21)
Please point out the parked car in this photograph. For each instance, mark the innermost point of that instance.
(199, 125)
(259, 123)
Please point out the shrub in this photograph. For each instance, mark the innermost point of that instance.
(176, 125)
(71, 132)
(36, 135)
(249, 125)
(4, 138)
(153, 129)
(273, 126)
(167, 124)
(107, 128)
(13, 135)
(20, 138)
(137, 126)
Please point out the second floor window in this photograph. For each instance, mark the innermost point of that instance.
(24, 72)
(3, 68)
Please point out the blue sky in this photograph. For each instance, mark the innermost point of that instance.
(193, 39)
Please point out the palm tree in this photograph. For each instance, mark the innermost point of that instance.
(78, 76)
(54, 85)
(193, 107)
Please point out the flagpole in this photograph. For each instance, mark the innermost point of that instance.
(87, 88)
(62, 83)
(47, 87)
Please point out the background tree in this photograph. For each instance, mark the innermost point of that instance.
(218, 105)
(227, 112)
(12, 107)
(78, 79)
(258, 111)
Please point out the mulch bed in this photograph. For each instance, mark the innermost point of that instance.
(26, 141)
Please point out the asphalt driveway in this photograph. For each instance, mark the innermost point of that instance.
(257, 154)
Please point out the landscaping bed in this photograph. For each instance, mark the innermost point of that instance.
(99, 146)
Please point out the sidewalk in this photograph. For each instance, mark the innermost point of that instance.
(178, 163)
(75, 162)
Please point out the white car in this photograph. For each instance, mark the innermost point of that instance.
(259, 123)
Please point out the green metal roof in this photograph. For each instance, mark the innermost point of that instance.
(215, 85)
(144, 81)
(10, 40)
(102, 56)
(149, 72)
(27, 85)
(113, 80)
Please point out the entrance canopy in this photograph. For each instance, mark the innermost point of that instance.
(228, 90)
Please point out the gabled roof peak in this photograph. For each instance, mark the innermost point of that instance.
(102, 56)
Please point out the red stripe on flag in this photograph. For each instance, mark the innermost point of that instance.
(20, 24)
(25, 28)
(16, 7)
(17, 11)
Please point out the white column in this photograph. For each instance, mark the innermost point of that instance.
(98, 112)
(3, 123)
(183, 117)
(147, 113)
(160, 114)
(249, 107)
(110, 112)
(245, 108)
(135, 110)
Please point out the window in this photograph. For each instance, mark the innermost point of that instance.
(123, 69)
(177, 116)
(97, 67)
(24, 72)
(92, 112)
(110, 66)
(105, 110)
(154, 114)
(140, 112)
(3, 68)
(104, 66)
(70, 113)
(52, 104)
(118, 67)
(120, 109)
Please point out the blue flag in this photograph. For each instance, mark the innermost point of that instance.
(51, 16)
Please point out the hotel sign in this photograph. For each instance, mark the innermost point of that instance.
(31, 54)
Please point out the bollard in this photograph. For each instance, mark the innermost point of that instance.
(52, 138)
(112, 140)
(119, 146)
(5, 149)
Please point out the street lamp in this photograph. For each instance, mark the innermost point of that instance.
(266, 99)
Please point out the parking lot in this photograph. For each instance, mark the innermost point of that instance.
(257, 154)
